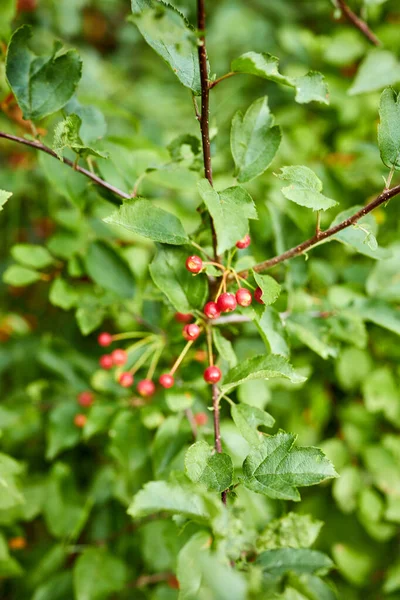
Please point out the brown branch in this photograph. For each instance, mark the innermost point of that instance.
(222, 78)
(323, 235)
(358, 23)
(39, 146)
(217, 430)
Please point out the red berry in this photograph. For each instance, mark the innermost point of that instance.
(119, 357)
(106, 361)
(166, 380)
(191, 332)
(244, 243)
(183, 317)
(146, 388)
(85, 399)
(201, 418)
(211, 310)
(244, 297)
(125, 379)
(194, 264)
(212, 374)
(226, 302)
(258, 295)
(105, 339)
(80, 420)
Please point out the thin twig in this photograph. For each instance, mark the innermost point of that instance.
(217, 81)
(323, 235)
(39, 146)
(358, 23)
(192, 422)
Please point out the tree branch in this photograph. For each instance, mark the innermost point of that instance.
(323, 235)
(39, 146)
(217, 81)
(217, 430)
(358, 23)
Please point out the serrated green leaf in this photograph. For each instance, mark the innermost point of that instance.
(308, 87)
(293, 530)
(313, 332)
(4, 196)
(305, 188)
(166, 30)
(389, 128)
(109, 270)
(146, 219)
(98, 574)
(379, 69)
(20, 276)
(224, 348)
(276, 468)
(261, 367)
(254, 140)
(294, 560)
(230, 210)
(248, 418)
(204, 465)
(185, 291)
(30, 255)
(67, 135)
(41, 85)
(270, 288)
(357, 236)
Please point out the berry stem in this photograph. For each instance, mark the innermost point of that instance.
(140, 343)
(201, 250)
(181, 357)
(209, 347)
(130, 335)
(154, 362)
(142, 359)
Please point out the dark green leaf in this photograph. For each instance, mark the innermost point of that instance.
(98, 574)
(109, 270)
(294, 560)
(224, 348)
(389, 128)
(62, 433)
(272, 331)
(247, 419)
(361, 236)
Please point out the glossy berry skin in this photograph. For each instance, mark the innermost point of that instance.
(106, 361)
(126, 379)
(244, 243)
(211, 310)
(212, 374)
(166, 380)
(258, 295)
(146, 388)
(80, 420)
(191, 332)
(105, 339)
(243, 297)
(194, 264)
(183, 317)
(85, 399)
(119, 357)
(226, 302)
(201, 418)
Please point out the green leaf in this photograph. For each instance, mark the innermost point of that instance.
(10, 494)
(281, 561)
(312, 332)
(361, 236)
(67, 135)
(261, 367)
(224, 347)
(4, 196)
(41, 84)
(109, 270)
(382, 280)
(204, 465)
(146, 219)
(9, 567)
(389, 128)
(98, 575)
(166, 30)
(62, 433)
(272, 331)
(309, 87)
(185, 291)
(58, 587)
(379, 312)
(30, 255)
(381, 394)
(293, 530)
(346, 489)
(379, 69)
(270, 288)
(305, 188)
(312, 587)
(20, 276)
(7, 13)
(247, 419)
(254, 140)
(392, 579)
(230, 211)
(276, 468)
(62, 294)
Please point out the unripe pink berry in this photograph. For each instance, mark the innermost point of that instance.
(106, 361)
(212, 374)
(105, 339)
(166, 380)
(80, 420)
(191, 332)
(244, 297)
(194, 264)
(126, 379)
(183, 317)
(244, 243)
(201, 418)
(119, 357)
(211, 310)
(226, 302)
(85, 399)
(146, 388)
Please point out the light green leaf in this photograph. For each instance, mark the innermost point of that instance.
(293, 530)
(146, 219)
(261, 367)
(230, 211)
(62, 433)
(109, 270)
(276, 468)
(383, 281)
(10, 493)
(305, 188)
(389, 128)
(30, 255)
(57, 587)
(247, 419)
(270, 288)
(309, 87)
(381, 313)
(392, 579)
(4, 196)
(224, 347)
(98, 575)
(166, 30)
(7, 13)
(272, 331)
(381, 394)
(294, 560)
(183, 290)
(67, 135)
(20, 276)
(62, 294)
(254, 140)
(361, 236)
(379, 69)
(42, 85)
(204, 465)
(313, 332)
(346, 489)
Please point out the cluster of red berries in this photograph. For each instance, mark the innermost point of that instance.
(84, 399)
